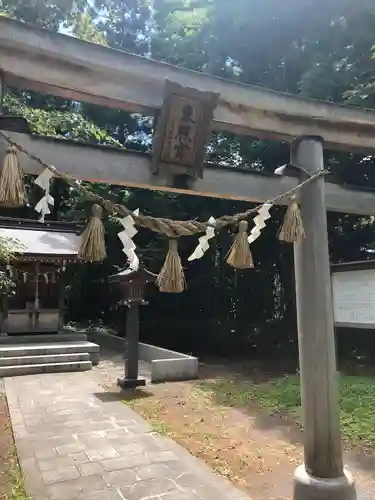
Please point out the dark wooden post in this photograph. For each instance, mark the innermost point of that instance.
(132, 285)
(36, 298)
(322, 476)
(61, 297)
(4, 314)
(132, 336)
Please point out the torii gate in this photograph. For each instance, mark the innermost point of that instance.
(36, 59)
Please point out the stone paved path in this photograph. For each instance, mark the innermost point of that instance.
(77, 442)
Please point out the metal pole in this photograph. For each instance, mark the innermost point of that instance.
(322, 476)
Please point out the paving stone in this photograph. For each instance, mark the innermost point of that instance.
(28, 464)
(90, 469)
(123, 423)
(41, 442)
(137, 429)
(152, 471)
(41, 429)
(177, 468)
(116, 433)
(131, 449)
(67, 449)
(78, 446)
(53, 463)
(90, 426)
(120, 478)
(96, 437)
(112, 494)
(20, 431)
(161, 456)
(61, 461)
(148, 440)
(102, 453)
(45, 453)
(34, 484)
(125, 462)
(25, 450)
(181, 495)
(67, 490)
(60, 474)
(78, 458)
(192, 483)
(148, 488)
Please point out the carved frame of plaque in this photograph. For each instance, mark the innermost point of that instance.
(182, 129)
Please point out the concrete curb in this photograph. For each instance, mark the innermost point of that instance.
(166, 365)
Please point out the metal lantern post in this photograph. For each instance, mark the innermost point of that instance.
(132, 285)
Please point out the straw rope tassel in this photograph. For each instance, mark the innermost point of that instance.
(171, 278)
(240, 254)
(292, 229)
(92, 248)
(12, 189)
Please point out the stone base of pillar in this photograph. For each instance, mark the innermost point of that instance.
(307, 487)
(131, 383)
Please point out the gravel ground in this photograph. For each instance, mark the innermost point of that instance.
(111, 367)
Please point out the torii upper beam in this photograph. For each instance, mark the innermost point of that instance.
(36, 59)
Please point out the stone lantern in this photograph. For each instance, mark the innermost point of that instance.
(132, 285)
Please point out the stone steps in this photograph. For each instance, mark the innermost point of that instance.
(38, 349)
(12, 371)
(42, 338)
(44, 359)
(39, 354)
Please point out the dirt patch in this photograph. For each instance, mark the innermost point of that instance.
(11, 482)
(255, 451)
(256, 458)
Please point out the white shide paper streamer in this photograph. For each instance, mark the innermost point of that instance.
(203, 245)
(43, 181)
(126, 238)
(260, 222)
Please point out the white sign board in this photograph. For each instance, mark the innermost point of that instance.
(354, 298)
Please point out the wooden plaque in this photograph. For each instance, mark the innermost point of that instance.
(183, 128)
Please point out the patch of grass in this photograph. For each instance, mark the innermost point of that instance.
(151, 412)
(11, 479)
(16, 486)
(357, 401)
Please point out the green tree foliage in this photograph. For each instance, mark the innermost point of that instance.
(312, 48)
(47, 14)
(8, 250)
(85, 28)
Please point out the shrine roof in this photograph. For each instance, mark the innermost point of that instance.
(42, 242)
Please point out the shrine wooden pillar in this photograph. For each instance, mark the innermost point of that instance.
(322, 476)
(36, 313)
(4, 301)
(61, 297)
(4, 314)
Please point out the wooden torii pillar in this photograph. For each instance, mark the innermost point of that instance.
(322, 475)
(38, 60)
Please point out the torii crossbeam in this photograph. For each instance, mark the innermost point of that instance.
(38, 60)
